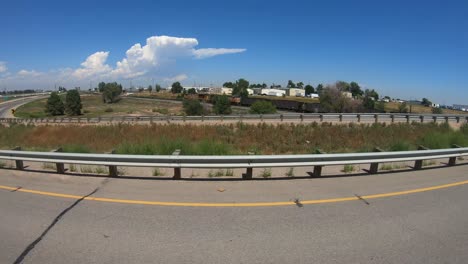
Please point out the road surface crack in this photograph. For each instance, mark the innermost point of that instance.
(362, 199)
(31, 246)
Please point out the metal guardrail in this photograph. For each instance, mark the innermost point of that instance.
(369, 117)
(234, 161)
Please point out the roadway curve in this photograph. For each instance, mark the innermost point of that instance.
(5, 107)
(419, 217)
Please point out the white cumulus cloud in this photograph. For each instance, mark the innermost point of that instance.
(177, 78)
(210, 52)
(157, 57)
(94, 65)
(3, 67)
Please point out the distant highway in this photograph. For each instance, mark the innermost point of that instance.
(5, 107)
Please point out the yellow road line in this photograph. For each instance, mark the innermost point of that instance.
(264, 204)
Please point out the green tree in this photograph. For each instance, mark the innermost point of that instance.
(437, 111)
(371, 93)
(222, 105)
(319, 89)
(54, 105)
(192, 107)
(343, 86)
(291, 84)
(262, 107)
(111, 92)
(192, 91)
(176, 88)
(101, 86)
(150, 88)
(355, 89)
(426, 102)
(73, 104)
(228, 85)
(157, 87)
(240, 88)
(309, 89)
(300, 85)
(403, 108)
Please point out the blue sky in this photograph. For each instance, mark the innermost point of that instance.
(405, 49)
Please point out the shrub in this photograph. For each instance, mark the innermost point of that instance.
(222, 105)
(262, 107)
(266, 173)
(108, 110)
(348, 168)
(192, 107)
(157, 172)
(73, 103)
(54, 105)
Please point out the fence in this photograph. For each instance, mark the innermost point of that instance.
(248, 162)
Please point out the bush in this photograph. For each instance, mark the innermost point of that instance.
(192, 107)
(108, 110)
(73, 103)
(262, 107)
(54, 105)
(222, 105)
(437, 111)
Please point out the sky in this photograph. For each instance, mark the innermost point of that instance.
(403, 49)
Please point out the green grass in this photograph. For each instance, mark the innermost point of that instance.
(48, 166)
(348, 168)
(265, 173)
(231, 139)
(157, 172)
(289, 173)
(94, 107)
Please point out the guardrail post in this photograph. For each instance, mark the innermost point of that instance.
(281, 116)
(318, 169)
(359, 118)
(446, 119)
(407, 119)
(177, 171)
(249, 173)
(302, 118)
(418, 164)
(19, 163)
(321, 118)
(60, 166)
(261, 117)
(422, 119)
(203, 118)
(453, 160)
(341, 118)
(99, 119)
(434, 118)
(374, 167)
(393, 118)
(376, 117)
(113, 172)
(458, 120)
(184, 117)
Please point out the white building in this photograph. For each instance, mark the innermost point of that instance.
(273, 92)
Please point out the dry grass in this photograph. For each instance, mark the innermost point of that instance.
(94, 107)
(237, 138)
(419, 109)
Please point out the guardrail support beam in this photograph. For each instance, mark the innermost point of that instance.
(453, 160)
(418, 164)
(248, 174)
(60, 166)
(113, 172)
(318, 169)
(374, 167)
(19, 163)
(177, 171)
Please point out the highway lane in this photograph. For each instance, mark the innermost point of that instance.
(5, 108)
(424, 227)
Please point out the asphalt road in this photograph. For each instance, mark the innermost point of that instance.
(429, 226)
(5, 108)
